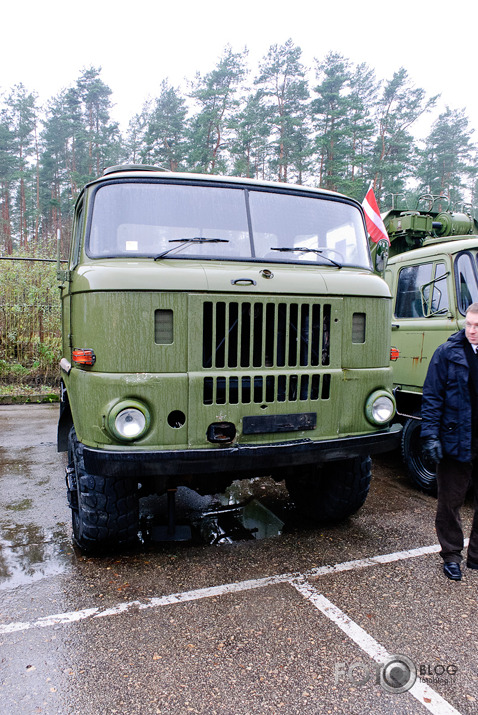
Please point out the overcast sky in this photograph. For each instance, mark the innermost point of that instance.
(46, 44)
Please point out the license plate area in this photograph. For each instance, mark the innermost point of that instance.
(268, 424)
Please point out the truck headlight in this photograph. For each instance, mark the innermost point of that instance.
(128, 420)
(380, 407)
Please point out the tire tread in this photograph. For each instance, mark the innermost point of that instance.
(107, 514)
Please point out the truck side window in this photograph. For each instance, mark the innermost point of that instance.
(466, 282)
(409, 300)
(435, 294)
(422, 284)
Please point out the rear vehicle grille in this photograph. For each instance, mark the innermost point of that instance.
(247, 334)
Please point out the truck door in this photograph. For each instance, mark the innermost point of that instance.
(422, 317)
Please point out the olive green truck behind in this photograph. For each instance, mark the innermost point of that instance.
(433, 277)
(214, 329)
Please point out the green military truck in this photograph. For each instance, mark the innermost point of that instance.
(433, 277)
(214, 329)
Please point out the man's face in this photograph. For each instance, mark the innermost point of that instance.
(471, 328)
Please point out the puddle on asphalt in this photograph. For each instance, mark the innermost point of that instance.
(241, 523)
(21, 505)
(28, 553)
(236, 515)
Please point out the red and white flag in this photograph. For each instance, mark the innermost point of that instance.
(375, 225)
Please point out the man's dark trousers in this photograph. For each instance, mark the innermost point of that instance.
(453, 481)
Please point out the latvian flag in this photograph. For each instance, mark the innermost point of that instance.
(375, 225)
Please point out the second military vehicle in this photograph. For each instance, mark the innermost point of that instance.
(433, 277)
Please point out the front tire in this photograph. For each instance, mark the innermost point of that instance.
(421, 472)
(333, 491)
(104, 511)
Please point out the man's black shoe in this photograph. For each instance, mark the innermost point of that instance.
(472, 564)
(452, 570)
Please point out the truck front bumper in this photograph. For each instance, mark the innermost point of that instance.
(237, 458)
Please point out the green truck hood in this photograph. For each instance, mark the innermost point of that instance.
(217, 276)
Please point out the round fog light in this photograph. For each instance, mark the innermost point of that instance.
(380, 408)
(128, 422)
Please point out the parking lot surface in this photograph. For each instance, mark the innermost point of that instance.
(349, 618)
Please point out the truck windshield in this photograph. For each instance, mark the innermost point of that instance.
(182, 221)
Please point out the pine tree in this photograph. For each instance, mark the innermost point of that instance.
(361, 133)
(63, 142)
(285, 93)
(248, 147)
(216, 97)
(135, 135)
(102, 134)
(165, 135)
(21, 116)
(398, 108)
(7, 175)
(332, 119)
(447, 163)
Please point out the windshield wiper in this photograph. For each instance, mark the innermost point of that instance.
(183, 242)
(302, 249)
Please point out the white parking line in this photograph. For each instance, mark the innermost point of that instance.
(421, 691)
(75, 616)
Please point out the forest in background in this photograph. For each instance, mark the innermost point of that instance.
(334, 125)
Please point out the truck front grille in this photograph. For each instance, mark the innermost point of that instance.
(262, 389)
(248, 334)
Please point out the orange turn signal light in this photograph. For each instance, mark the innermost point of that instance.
(394, 354)
(83, 356)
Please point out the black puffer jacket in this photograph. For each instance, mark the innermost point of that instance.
(446, 404)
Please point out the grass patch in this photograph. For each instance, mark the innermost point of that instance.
(21, 394)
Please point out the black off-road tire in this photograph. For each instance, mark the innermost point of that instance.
(421, 471)
(104, 510)
(333, 491)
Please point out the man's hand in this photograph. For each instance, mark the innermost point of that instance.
(432, 450)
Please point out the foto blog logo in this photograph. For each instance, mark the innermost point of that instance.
(396, 675)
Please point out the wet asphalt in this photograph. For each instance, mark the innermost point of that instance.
(257, 625)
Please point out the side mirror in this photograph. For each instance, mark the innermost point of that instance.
(61, 275)
(381, 255)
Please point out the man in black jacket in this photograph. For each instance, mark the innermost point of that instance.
(450, 431)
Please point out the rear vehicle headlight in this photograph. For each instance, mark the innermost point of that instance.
(380, 407)
(128, 421)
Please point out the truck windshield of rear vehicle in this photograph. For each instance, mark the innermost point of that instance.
(188, 221)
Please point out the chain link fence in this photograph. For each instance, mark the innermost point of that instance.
(30, 322)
